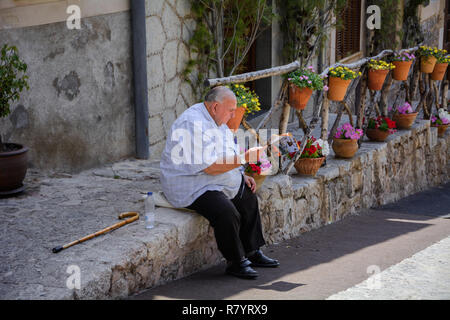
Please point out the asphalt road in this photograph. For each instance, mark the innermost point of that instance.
(324, 262)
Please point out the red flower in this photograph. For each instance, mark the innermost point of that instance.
(391, 124)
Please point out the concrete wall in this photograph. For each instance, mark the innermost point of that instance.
(79, 110)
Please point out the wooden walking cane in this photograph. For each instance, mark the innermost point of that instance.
(134, 216)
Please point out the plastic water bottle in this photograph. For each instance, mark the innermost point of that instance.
(149, 211)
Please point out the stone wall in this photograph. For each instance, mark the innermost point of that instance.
(169, 27)
(79, 110)
(379, 173)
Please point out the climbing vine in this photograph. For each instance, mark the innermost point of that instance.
(225, 31)
(305, 25)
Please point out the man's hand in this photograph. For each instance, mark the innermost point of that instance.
(250, 182)
(253, 154)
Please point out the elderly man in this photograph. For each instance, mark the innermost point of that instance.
(200, 170)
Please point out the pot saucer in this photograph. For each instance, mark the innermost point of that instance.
(11, 192)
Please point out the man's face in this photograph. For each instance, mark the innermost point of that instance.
(224, 111)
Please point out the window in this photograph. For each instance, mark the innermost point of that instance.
(348, 38)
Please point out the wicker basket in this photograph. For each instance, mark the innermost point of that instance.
(308, 166)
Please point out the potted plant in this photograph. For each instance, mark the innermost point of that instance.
(258, 170)
(312, 157)
(427, 58)
(402, 63)
(378, 129)
(378, 70)
(345, 141)
(339, 79)
(441, 121)
(302, 82)
(440, 67)
(13, 157)
(247, 103)
(404, 116)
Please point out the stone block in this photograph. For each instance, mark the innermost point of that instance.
(156, 129)
(169, 58)
(153, 7)
(171, 23)
(156, 103)
(155, 74)
(155, 35)
(172, 89)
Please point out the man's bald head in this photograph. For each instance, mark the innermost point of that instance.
(219, 93)
(221, 104)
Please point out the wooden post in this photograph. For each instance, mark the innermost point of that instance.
(444, 94)
(301, 121)
(384, 96)
(349, 112)
(325, 113)
(284, 117)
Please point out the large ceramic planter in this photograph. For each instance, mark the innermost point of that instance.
(377, 135)
(259, 178)
(345, 148)
(337, 88)
(441, 129)
(376, 79)
(235, 122)
(404, 121)
(439, 71)
(299, 97)
(401, 70)
(13, 168)
(427, 64)
(308, 166)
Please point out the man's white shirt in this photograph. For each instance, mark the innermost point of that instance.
(194, 143)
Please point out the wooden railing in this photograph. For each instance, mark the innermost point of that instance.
(430, 95)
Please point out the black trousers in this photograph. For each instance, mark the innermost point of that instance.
(236, 222)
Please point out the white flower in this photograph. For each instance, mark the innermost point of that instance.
(324, 145)
(444, 114)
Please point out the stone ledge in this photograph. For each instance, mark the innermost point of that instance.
(132, 258)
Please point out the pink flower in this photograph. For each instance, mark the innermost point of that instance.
(325, 88)
(445, 121)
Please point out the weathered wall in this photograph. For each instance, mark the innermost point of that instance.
(79, 110)
(169, 27)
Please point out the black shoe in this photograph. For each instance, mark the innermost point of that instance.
(241, 269)
(258, 259)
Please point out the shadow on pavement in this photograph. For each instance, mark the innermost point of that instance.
(311, 249)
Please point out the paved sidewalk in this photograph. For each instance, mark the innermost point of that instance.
(407, 241)
(426, 275)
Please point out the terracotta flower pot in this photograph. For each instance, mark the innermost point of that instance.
(234, 122)
(439, 71)
(377, 135)
(13, 168)
(376, 79)
(441, 129)
(427, 64)
(404, 121)
(259, 178)
(345, 148)
(299, 97)
(337, 88)
(308, 166)
(401, 70)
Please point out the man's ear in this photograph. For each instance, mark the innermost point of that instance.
(214, 107)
